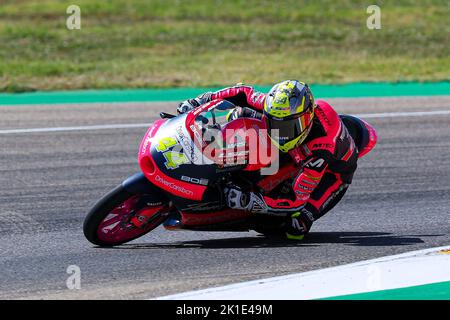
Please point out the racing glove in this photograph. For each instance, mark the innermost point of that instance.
(240, 112)
(249, 201)
(190, 104)
(298, 224)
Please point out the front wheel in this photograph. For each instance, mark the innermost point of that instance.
(121, 216)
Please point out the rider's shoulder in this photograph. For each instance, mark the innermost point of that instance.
(324, 109)
(327, 116)
(323, 136)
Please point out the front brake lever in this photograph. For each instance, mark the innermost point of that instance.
(165, 115)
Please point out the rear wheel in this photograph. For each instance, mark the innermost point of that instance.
(121, 216)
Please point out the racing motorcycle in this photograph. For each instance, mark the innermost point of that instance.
(186, 162)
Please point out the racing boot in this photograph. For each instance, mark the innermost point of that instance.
(298, 225)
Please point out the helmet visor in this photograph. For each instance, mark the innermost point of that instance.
(285, 130)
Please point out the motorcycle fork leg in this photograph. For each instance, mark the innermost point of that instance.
(147, 215)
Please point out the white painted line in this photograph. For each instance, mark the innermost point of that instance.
(403, 114)
(398, 271)
(143, 125)
(80, 128)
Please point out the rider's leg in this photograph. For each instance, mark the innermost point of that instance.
(327, 194)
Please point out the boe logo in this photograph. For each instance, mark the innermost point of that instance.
(73, 282)
(73, 22)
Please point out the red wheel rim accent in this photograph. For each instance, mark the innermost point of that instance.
(117, 226)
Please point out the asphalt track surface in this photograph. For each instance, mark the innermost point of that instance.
(399, 201)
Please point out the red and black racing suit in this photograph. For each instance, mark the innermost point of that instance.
(326, 160)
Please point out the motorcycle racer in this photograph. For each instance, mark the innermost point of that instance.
(314, 137)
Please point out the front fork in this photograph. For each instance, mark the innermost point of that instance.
(148, 215)
(156, 202)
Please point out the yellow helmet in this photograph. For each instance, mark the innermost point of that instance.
(289, 113)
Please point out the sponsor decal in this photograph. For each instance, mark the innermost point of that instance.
(323, 115)
(228, 167)
(318, 163)
(332, 196)
(324, 205)
(173, 186)
(153, 204)
(208, 206)
(186, 144)
(300, 186)
(309, 182)
(197, 135)
(147, 142)
(322, 146)
(257, 96)
(308, 213)
(201, 181)
(302, 195)
(296, 225)
(197, 111)
(258, 205)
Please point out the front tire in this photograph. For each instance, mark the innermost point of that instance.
(112, 220)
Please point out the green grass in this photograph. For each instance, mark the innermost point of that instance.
(431, 291)
(172, 43)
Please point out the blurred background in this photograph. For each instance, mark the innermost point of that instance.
(187, 43)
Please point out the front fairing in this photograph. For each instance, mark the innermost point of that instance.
(176, 157)
(170, 160)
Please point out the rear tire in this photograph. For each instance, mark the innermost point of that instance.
(109, 202)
